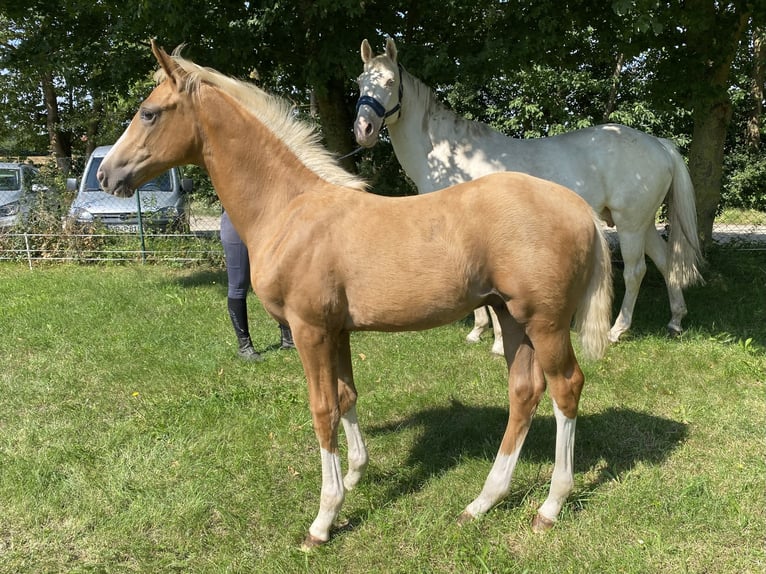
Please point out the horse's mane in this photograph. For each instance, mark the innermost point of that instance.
(434, 107)
(276, 114)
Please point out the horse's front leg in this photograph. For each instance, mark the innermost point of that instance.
(319, 354)
(497, 346)
(357, 451)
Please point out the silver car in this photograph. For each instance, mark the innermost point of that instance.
(163, 201)
(19, 188)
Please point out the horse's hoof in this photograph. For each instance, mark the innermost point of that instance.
(541, 524)
(674, 333)
(470, 339)
(465, 518)
(311, 542)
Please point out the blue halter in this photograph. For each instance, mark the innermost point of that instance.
(377, 107)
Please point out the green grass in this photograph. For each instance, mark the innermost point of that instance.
(737, 216)
(133, 440)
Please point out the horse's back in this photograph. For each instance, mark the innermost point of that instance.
(605, 164)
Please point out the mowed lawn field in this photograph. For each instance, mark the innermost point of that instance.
(132, 439)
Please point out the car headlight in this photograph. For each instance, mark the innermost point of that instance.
(9, 209)
(168, 212)
(82, 215)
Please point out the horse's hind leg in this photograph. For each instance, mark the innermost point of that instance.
(480, 324)
(565, 382)
(657, 250)
(632, 248)
(525, 387)
(357, 451)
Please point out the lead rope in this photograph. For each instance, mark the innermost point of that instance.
(356, 151)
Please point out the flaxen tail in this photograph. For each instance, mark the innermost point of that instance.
(684, 254)
(594, 312)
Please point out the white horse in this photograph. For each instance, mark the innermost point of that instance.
(624, 174)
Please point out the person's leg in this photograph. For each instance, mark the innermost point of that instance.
(238, 276)
(287, 337)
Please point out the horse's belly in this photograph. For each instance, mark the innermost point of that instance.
(410, 304)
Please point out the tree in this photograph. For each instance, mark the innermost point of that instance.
(713, 34)
(758, 81)
(528, 67)
(66, 53)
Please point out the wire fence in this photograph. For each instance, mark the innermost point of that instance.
(200, 244)
(46, 237)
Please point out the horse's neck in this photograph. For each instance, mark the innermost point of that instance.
(410, 136)
(257, 177)
(427, 137)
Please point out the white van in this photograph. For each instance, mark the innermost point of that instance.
(164, 201)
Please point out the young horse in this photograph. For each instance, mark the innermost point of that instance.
(622, 173)
(328, 258)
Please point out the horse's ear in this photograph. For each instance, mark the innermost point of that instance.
(391, 49)
(366, 51)
(170, 66)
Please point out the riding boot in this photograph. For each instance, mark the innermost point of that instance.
(287, 337)
(238, 314)
(247, 352)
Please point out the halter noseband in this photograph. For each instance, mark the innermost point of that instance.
(377, 107)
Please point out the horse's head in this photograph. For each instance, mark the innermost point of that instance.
(159, 137)
(380, 93)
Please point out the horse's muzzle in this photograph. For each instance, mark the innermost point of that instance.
(114, 185)
(365, 132)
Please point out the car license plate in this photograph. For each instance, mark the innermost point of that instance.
(125, 228)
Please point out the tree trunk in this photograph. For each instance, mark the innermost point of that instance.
(613, 88)
(60, 145)
(753, 135)
(336, 120)
(706, 162)
(92, 126)
(711, 104)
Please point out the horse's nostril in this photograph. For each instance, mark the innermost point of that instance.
(368, 130)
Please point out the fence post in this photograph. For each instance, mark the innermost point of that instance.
(29, 252)
(141, 226)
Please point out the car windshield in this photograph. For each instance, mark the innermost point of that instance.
(162, 182)
(10, 179)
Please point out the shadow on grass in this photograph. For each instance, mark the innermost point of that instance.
(729, 303)
(203, 277)
(612, 441)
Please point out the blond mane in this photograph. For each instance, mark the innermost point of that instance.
(277, 115)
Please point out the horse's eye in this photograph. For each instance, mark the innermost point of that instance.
(148, 115)
(390, 83)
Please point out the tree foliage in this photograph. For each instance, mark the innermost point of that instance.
(529, 68)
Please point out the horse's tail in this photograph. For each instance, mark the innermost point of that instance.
(594, 312)
(684, 251)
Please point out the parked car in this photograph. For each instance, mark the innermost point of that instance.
(20, 192)
(164, 201)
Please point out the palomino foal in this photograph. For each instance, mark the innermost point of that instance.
(328, 258)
